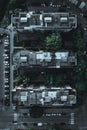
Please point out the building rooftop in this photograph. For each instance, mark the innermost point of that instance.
(61, 59)
(62, 21)
(51, 96)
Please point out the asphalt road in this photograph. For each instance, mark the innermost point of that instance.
(81, 115)
(45, 120)
(6, 118)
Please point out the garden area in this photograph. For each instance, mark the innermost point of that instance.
(75, 76)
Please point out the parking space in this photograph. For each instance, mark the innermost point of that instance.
(6, 56)
(72, 120)
(1, 72)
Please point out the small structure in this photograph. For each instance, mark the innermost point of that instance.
(82, 5)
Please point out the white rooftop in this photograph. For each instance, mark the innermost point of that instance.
(61, 55)
(23, 19)
(23, 98)
(43, 55)
(64, 98)
(23, 58)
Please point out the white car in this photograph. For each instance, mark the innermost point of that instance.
(6, 56)
(47, 114)
(5, 50)
(7, 66)
(54, 114)
(6, 95)
(6, 62)
(59, 114)
(14, 107)
(6, 43)
(15, 118)
(7, 72)
(85, 29)
(6, 79)
(7, 86)
(6, 40)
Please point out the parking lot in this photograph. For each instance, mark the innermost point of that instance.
(6, 61)
(1, 72)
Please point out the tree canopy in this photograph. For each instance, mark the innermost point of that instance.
(53, 42)
(80, 70)
(36, 111)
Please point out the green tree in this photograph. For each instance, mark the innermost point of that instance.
(29, 129)
(12, 4)
(15, 5)
(80, 86)
(78, 39)
(79, 71)
(36, 111)
(53, 42)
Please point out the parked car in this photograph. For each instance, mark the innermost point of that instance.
(6, 50)
(7, 67)
(6, 57)
(6, 81)
(6, 95)
(6, 62)
(7, 91)
(6, 72)
(15, 119)
(6, 88)
(85, 29)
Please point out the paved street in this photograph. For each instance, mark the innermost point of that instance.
(50, 115)
(81, 115)
(6, 118)
(46, 120)
(11, 66)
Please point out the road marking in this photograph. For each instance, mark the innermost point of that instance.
(72, 120)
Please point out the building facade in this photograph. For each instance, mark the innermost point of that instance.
(44, 96)
(28, 59)
(62, 21)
